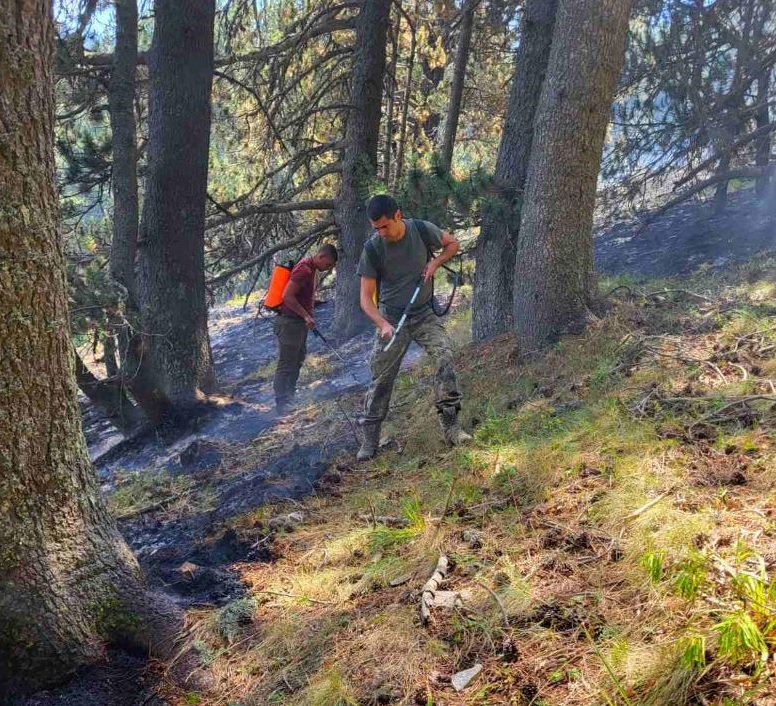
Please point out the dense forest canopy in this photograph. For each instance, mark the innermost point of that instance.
(692, 103)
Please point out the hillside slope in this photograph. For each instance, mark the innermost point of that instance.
(610, 532)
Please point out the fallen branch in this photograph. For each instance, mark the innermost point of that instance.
(715, 398)
(646, 506)
(431, 587)
(730, 405)
(649, 295)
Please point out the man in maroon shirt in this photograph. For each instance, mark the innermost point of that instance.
(294, 320)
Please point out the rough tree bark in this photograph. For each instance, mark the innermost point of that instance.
(171, 283)
(495, 255)
(554, 260)
(359, 164)
(68, 582)
(432, 73)
(456, 87)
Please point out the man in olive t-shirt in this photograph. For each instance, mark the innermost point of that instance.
(392, 263)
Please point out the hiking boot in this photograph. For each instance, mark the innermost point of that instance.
(451, 429)
(371, 442)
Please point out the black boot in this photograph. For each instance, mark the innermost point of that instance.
(371, 441)
(448, 420)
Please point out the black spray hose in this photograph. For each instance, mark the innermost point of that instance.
(350, 422)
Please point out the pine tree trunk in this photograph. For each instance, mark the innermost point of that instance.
(121, 98)
(456, 88)
(406, 105)
(554, 260)
(171, 282)
(359, 165)
(495, 256)
(68, 582)
(390, 81)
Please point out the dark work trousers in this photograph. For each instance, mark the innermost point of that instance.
(292, 348)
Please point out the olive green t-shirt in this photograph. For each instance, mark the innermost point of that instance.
(401, 263)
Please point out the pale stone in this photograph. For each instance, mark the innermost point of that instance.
(462, 679)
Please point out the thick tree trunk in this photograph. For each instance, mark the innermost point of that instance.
(108, 396)
(68, 582)
(171, 283)
(121, 98)
(456, 88)
(495, 255)
(359, 166)
(554, 261)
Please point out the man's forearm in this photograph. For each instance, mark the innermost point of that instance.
(369, 308)
(448, 252)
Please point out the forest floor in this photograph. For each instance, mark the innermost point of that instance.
(615, 508)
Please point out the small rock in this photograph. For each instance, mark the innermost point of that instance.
(187, 569)
(286, 522)
(473, 538)
(462, 679)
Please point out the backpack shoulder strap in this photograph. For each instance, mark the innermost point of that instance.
(424, 236)
(374, 257)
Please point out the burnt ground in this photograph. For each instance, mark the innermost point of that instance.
(688, 237)
(189, 553)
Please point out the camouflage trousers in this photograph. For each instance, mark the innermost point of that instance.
(427, 331)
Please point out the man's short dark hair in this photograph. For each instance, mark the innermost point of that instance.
(329, 251)
(381, 205)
